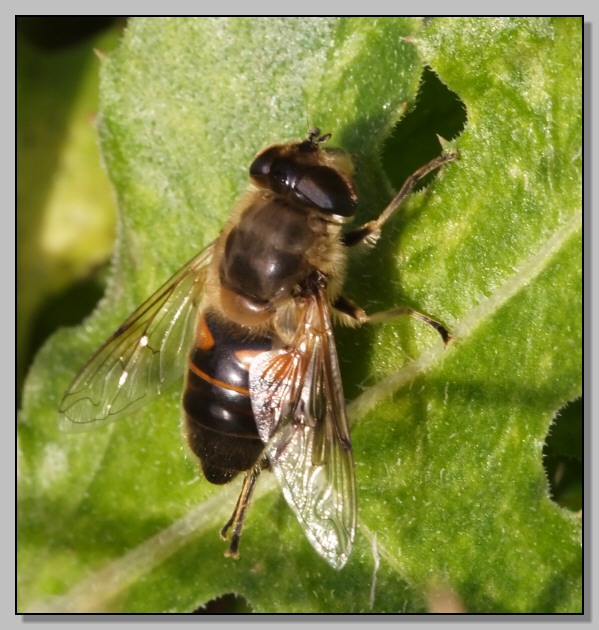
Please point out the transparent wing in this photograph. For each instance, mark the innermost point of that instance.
(143, 356)
(297, 400)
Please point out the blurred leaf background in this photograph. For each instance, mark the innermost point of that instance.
(66, 233)
(66, 210)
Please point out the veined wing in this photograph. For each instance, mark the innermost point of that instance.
(143, 356)
(298, 403)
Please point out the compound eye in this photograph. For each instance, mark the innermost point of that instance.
(283, 175)
(273, 170)
(323, 188)
(260, 167)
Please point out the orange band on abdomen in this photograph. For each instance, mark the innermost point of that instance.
(214, 381)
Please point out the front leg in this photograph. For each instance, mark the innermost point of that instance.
(369, 232)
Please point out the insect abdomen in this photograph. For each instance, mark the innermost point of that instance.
(221, 429)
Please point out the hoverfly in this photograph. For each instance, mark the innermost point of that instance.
(249, 322)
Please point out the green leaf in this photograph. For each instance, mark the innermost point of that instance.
(447, 442)
(65, 223)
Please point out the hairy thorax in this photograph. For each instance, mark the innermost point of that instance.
(266, 254)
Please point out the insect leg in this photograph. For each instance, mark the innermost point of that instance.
(383, 316)
(347, 307)
(240, 510)
(369, 232)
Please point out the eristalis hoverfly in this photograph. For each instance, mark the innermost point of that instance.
(249, 321)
